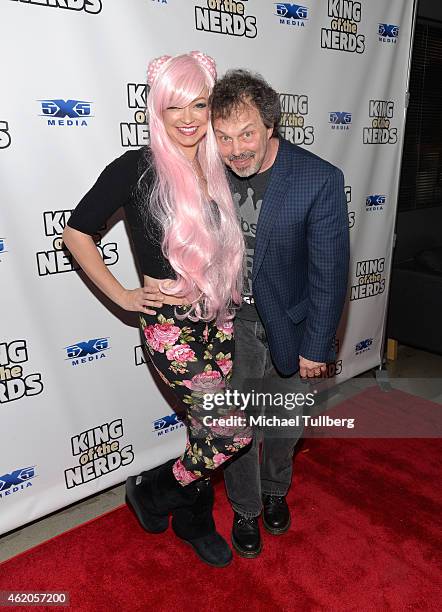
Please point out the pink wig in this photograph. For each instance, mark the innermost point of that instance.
(201, 239)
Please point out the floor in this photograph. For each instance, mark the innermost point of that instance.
(416, 372)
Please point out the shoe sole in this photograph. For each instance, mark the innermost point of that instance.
(276, 530)
(202, 558)
(244, 553)
(139, 511)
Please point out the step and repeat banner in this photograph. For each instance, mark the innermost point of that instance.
(79, 408)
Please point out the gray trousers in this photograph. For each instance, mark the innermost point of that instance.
(255, 473)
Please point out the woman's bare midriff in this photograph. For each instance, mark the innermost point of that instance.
(149, 281)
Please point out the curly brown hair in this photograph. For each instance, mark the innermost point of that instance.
(239, 87)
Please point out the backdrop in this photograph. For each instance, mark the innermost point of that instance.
(80, 410)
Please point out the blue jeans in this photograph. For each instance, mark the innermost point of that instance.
(249, 476)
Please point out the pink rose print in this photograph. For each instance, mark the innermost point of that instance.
(205, 381)
(160, 335)
(181, 474)
(219, 458)
(222, 430)
(195, 424)
(180, 353)
(243, 441)
(206, 333)
(227, 328)
(225, 365)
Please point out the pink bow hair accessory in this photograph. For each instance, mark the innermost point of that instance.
(154, 68)
(207, 61)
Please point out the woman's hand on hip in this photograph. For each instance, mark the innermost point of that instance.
(140, 300)
(155, 295)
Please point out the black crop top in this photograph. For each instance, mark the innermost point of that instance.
(119, 185)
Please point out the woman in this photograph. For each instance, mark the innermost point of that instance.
(184, 228)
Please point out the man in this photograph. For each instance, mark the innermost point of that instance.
(293, 214)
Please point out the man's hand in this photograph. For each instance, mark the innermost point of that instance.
(310, 369)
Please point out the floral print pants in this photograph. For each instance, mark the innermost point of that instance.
(195, 360)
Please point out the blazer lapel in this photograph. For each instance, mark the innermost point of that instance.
(275, 193)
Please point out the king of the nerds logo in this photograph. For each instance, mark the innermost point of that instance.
(99, 451)
(343, 33)
(294, 111)
(66, 113)
(334, 368)
(339, 120)
(58, 259)
(381, 131)
(139, 354)
(5, 137)
(89, 6)
(375, 202)
(14, 383)
(16, 481)
(87, 351)
(351, 213)
(166, 424)
(388, 33)
(136, 133)
(291, 14)
(369, 278)
(226, 17)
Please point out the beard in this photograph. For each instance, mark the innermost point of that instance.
(249, 170)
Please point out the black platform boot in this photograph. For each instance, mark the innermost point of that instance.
(155, 493)
(195, 525)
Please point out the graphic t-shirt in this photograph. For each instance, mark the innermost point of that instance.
(248, 194)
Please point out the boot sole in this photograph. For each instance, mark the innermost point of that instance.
(244, 553)
(140, 512)
(202, 558)
(276, 530)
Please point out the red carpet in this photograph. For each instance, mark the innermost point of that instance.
(364, 537)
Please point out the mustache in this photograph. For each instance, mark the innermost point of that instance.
(242, 157)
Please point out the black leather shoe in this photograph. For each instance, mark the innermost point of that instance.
(276, 514)
(246, 538)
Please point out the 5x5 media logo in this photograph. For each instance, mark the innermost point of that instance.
(374, 202)
(166, 424)
(291, 14)
(340, 120)
(87, 351)
(388, 33)
(16, 481)
(3, 248)
(363, 346)
(67, 113)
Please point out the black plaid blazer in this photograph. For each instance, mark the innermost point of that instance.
(300, 266)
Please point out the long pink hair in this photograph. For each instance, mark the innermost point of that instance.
(202, 241)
